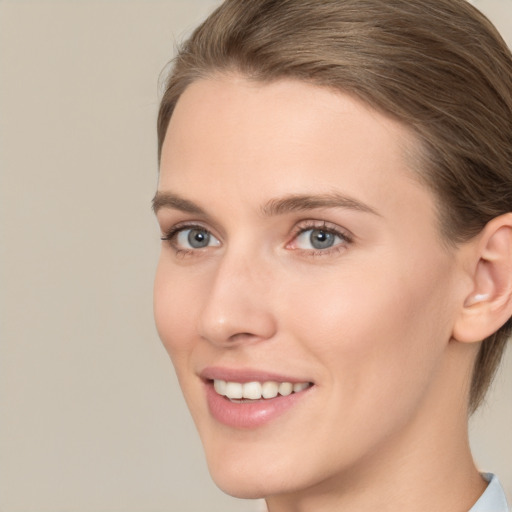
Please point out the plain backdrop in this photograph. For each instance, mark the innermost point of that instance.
(92, 418)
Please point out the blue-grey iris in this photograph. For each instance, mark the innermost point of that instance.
(198, 238)
(321, 239)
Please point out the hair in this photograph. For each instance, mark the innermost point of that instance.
(437, 66)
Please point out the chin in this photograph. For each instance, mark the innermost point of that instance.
(250, 487)
(242, 488)
(248, 477)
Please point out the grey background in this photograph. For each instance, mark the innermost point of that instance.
(91, 415)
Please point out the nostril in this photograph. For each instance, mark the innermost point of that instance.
(242, 336)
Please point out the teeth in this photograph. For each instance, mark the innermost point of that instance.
(269, 389)
(257, 390)
(252, 390)
(234, 390)
(300, 386)
(220, 386)
(285, 388)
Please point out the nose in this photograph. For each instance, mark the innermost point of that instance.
(237, 309)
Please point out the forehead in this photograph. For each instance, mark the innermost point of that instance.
(259, 111)
(254, 140)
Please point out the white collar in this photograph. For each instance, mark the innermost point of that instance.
(493, 499)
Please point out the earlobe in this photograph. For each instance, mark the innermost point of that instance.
(489, 304)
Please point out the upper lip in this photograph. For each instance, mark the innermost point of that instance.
(246, 375)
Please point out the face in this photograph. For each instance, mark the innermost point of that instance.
(302, 292)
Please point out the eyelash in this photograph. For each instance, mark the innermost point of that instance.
(171, 235)
(302, 227)
(327, 227)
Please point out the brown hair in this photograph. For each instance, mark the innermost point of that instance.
(438, 66)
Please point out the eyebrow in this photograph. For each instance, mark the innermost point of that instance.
(298, 202)
(278, 206)
(170, 200)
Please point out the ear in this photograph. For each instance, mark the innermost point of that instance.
(489, 304)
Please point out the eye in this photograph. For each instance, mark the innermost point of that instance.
(320, 239)
(186, 238)
(317, 239)
(195, 238)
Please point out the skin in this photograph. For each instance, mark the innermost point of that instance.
(369, 321)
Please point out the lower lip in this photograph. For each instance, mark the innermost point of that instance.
(249, 415)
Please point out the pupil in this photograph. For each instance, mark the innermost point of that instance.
(198, 238)
(321, 239)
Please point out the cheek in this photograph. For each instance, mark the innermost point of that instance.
(380, 328)
(377, 338)
(174, 303)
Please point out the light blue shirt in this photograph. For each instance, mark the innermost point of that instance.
(493, 499)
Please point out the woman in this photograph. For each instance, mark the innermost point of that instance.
(335, 281)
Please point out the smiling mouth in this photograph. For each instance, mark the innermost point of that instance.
(245, 392)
